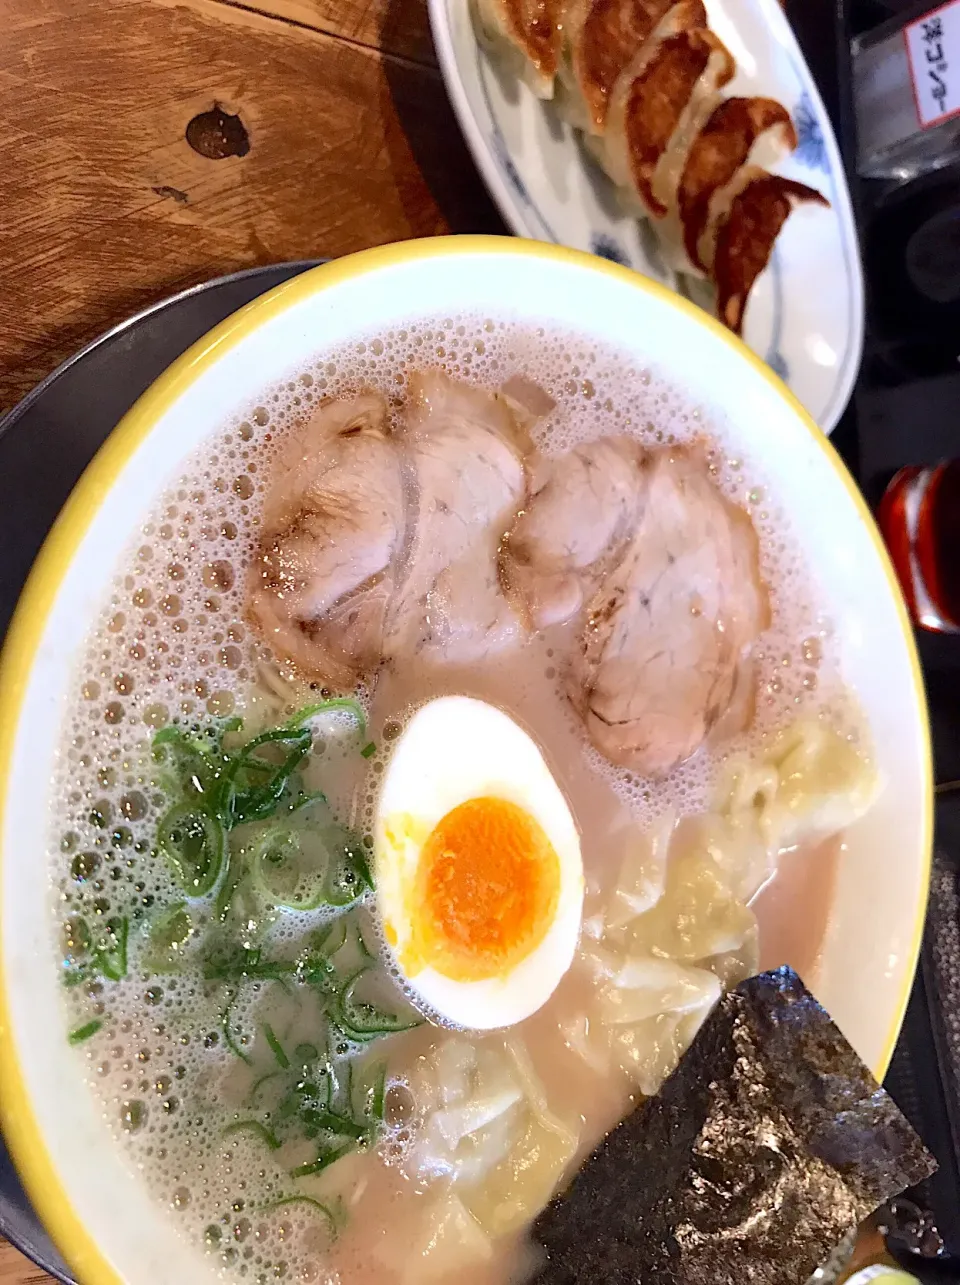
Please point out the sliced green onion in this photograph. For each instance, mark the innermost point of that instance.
(353, 936)
(374, 1091)
(290, 869)
(340, 1126)
(349, 875)
(346, 703)
(276, 1047)
(294, 797)
(249, 966)
(257, 1129)
(111, 955)
(197, 771)
(229, 885)
(252, 786)
(258, 1084)
(334, 1223)
(369, 750)
(363, 1022)
(228, 1039)
(194, 842)
(78, 938)
(317, 970)
(307, 864)
(341, 1095)
(84, 1032)
(168, 936)
(328, 939)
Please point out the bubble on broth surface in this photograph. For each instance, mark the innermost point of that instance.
(171, 645)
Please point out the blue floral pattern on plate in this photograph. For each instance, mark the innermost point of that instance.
(606, 248)
(811, 148)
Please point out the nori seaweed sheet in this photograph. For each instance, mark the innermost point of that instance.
(769, 1142)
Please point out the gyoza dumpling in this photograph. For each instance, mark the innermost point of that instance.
(732, 135)
(657, 109)
(528, 34)
(746, 234)
(601, 38)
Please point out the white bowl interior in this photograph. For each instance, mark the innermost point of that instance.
(874, 923)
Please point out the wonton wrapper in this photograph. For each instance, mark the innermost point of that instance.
(509, 1194)
(671, 938)
(643, 871)
(810, 783)
(489, 1131)
(698, 916)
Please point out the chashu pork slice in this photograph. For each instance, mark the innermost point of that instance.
(332, 528)
(466, 454)
(670, 626)
(581, 511)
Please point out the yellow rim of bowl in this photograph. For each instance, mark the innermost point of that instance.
(20, 1128)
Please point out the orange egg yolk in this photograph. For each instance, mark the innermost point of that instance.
(487, 888)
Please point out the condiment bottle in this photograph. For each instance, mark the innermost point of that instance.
(919, 516)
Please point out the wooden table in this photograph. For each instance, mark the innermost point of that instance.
(320, 127)
(151, 144)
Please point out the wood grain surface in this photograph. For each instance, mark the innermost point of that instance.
(15, 1270)
(105, 205)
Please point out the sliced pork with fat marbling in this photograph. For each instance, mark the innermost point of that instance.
(582, 508)
(333, 525)
(444, 543)
(466, 453)
(669, 627)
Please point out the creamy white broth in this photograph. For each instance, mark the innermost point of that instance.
(174, 644)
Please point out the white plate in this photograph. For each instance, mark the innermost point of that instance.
(805, 315)
(98, 1209)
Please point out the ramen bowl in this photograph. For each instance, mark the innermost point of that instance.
(101, 1213)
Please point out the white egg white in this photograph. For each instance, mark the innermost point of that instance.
(454, 749)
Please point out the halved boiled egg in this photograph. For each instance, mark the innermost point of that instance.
(478, 869)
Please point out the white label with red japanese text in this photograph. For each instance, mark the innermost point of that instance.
(933, 54)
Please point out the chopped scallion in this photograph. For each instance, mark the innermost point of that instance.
(257, 1129)
(276, 1047)
(335, 1218)
(228, 1039)
(84, 1032)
